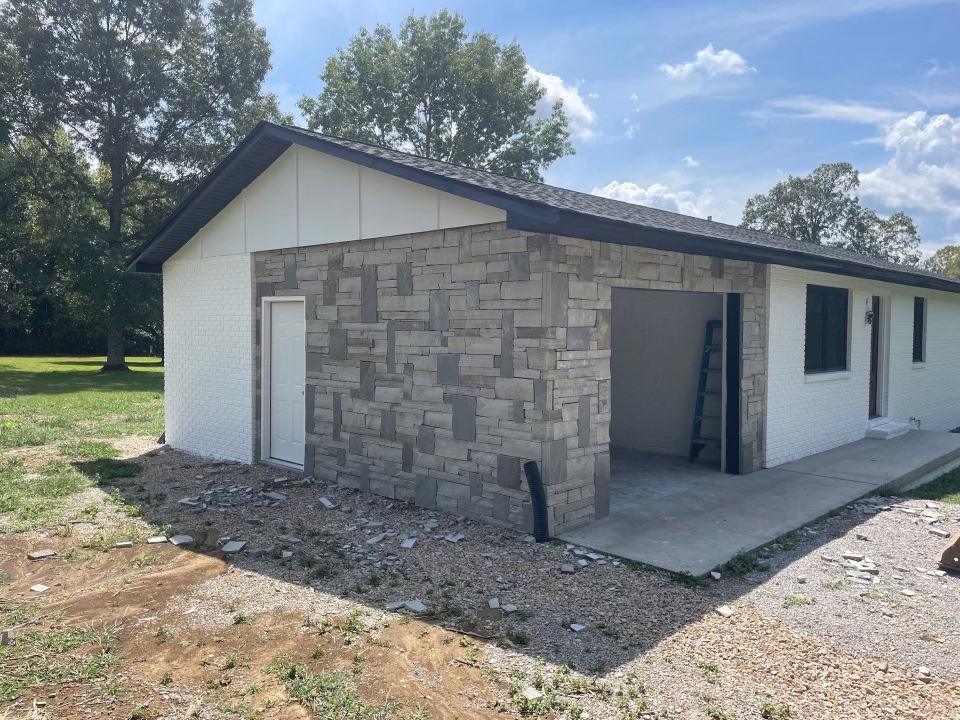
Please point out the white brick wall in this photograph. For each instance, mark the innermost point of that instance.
(209, 356)
(810, 414)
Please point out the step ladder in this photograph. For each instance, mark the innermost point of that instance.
(712, 345)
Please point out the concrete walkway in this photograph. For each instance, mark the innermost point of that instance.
(687, 517)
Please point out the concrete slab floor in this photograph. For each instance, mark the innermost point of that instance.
(686, 517)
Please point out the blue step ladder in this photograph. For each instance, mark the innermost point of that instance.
(711, 346)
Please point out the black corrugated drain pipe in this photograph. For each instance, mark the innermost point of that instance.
(539, 499)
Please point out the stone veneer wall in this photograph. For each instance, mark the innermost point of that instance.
(437, 363)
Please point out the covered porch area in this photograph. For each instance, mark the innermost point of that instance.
(690, 517)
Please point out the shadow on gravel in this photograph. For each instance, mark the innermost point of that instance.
(354, 551)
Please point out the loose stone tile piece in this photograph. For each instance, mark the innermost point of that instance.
(415, 606)
(376, 538)
(907, 592)
(532, 694)
(234, 546)
(939, 533)
(576, 627)
(275, 495)
(8, 636)
(567, 568)
(326, 503)
(509, 609)
(396, 604)
(408, 543)
(290, 539)
(38, 588)
(715, 575)
(124, 544)
(725, 611)
(181, 540)
(41, 554)
(454, 537)
(286, 554)
(494, 603)
(852, 556)
(156, 540)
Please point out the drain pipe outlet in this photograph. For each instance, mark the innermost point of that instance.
(539, 500)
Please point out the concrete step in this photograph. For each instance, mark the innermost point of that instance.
(888, 430)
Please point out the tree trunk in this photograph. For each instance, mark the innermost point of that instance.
(116, 359)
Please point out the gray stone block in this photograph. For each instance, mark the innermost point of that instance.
(601, 483)
(338, 344)
(407, 462)
(604, 326)
(476, 485)
(473, 295)
(541, 397)
(404, 279)
(290, 272)
(554, 462)
(509, 333)
(578, 338)
(368, 382)
(309, 460)
(508, 472)
(330, 291)
(583, 422)
(368, 294)
(518, 415)
(448, 369)
(309, 403)
(391, 346)
(501, 507)
(388, 425)
(337, 416)
(439, 310)
(586, 269)
(356, 444)
(314, 362)
(425, 492)
(464, 417)
(365, 478)
(519, 266)
(426, 440)
(556, 290)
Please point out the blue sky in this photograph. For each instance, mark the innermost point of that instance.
(696, 106)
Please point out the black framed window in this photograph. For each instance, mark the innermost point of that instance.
(919, 329)
(826, 333)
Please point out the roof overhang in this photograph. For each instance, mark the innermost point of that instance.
(268, 141)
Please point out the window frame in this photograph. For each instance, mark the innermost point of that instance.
(922, 302)
(828, 296)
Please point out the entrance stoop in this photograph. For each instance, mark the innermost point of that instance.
(882, 428)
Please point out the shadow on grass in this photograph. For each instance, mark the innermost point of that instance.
(21, 376)
(945, 488)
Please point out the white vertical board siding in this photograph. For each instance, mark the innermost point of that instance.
(655, 367)
(807, 414)
(209, 356)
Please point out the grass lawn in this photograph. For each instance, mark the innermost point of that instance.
(945, 489)
(47, 399)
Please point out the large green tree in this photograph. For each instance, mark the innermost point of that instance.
(152, 92)
(433, 90)
(945, 261)
(822, 209)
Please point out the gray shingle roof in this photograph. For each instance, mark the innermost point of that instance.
(530, 205)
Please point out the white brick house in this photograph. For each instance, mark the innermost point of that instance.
(420, 330)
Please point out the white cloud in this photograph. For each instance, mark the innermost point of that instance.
(937, 69)
(659, 196)
(581, 116)
(811, 107)
(690, 162)
(924, 172)
(593, 96)
(631, 128)
(709, 63)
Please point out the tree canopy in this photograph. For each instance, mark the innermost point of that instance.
(433, 90)
(130, 102)
(945, 261)
(822, 209)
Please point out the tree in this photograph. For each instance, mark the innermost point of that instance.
(152, 91)
(821, 209)
(945, 261)
(433, 91)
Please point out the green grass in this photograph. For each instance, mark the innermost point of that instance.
(945, 489)
(45, 400)
(743, 563)
(331, 694)
(34, 498)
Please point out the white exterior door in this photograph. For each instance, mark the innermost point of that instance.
(287, 379)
